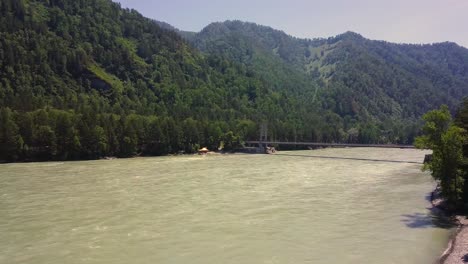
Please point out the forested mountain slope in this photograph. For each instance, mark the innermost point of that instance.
(86, 79)
(361, 80)
(83, 79)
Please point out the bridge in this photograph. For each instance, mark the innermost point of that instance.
(318, 144)
(263, 143)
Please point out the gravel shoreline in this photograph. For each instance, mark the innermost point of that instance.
(457, 249)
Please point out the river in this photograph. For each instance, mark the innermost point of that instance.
(349, 205)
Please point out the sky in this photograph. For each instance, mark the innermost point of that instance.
(400, 21)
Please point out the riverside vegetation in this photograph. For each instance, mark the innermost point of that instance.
(86, 79)
(448, 140)
(448, 165)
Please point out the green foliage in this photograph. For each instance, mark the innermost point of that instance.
(461, 117)
(46, 142)
(230, 141)
(109, 80)
(10, 142)
(365, 82)
(447, 165)
(87, 79)
(436, 125)
(368, 134)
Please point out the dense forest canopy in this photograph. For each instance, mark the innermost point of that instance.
(83, 79)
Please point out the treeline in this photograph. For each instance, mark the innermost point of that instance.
(51, 134)
(448, 140)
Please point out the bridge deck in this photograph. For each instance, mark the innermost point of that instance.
(317, 144)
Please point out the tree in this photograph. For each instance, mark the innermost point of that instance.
(461, 117)
(230, 141)
(10, 140)
(99, 142)
(45, 142)
(368, 134)
(191, 135)
(436, 123)
(128, 146)
(65, 135)
(446, 141)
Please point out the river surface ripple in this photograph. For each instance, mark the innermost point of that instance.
(349, 205)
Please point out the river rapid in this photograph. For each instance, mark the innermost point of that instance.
(345, 205)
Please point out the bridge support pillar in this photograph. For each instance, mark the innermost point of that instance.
(263, 137)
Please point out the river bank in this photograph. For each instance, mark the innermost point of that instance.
(457, 248)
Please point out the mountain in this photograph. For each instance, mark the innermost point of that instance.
(358, 78)
(87, 79)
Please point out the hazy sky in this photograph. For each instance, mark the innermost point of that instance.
(408, 21)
